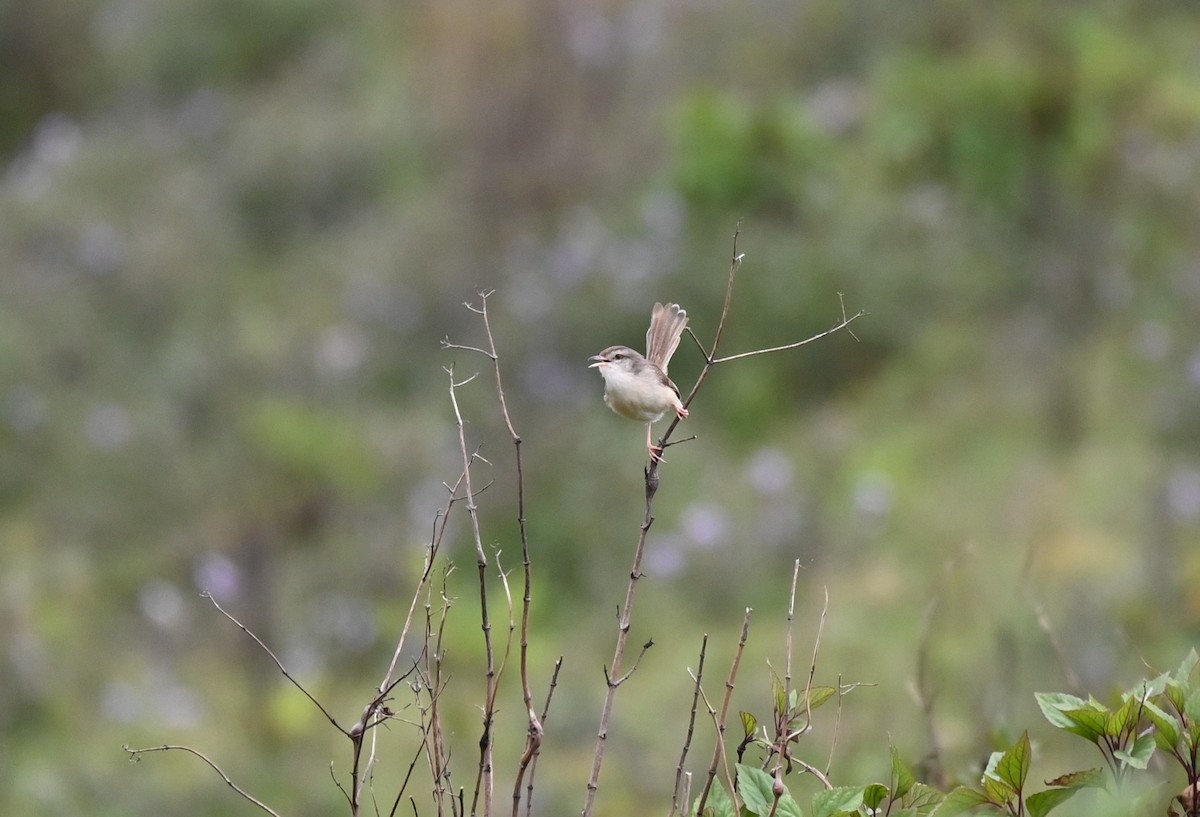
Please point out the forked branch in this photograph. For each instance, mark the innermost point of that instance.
(652, 483)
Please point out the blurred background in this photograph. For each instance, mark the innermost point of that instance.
(233, 233)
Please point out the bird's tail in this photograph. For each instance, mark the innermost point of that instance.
(666, 328)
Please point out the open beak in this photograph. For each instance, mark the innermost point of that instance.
(600, 360)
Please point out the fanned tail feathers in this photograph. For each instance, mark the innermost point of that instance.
(666, 328)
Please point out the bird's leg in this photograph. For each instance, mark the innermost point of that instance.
(655, 450)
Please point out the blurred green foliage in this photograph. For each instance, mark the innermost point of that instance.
(232, 236)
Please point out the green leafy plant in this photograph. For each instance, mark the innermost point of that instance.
(761, 795)
(1160, 714)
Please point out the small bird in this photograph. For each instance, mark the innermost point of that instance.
(638, 387)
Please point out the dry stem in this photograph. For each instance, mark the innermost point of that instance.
(652, 482)
(691, 728)
(719, 758)
(484, 778)
(535, 730)
(135, 754)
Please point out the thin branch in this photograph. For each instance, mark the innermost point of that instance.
(486, 740)
(782, 707)
(533, 750)
(652, 483)
(407, 777)
(842, 301)
(837, 727)
(490, 705)
(340, 787)
(791, 618)
(735, 264)
(636, 663)
(135, 754)
(446, 344)
(812, 667)
(691, 728)
(278, 663)
(710, 356)
(440, 522)
(814, 771)
(719, 758)
(437, 753)
(535, 731)
(623, 626)
(812, 671)
(785, 347)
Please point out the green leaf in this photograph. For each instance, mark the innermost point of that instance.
(788, 807)
(902, 776)
(1088, 723)
(1191, 707)
(1124, 719)
(997, 790)
(1139, 755)
(1166, 726)
(749, 723)
(1013, 766)
(756, 788)
(874, 794)
(1092, 778)
(960, 801)
(1176, 693)
(1040, 804)
(922, 798)
(818, 695)
(779, 694)
(1054, 704)
(1087, 719)
(1188, 668)
(828, 802)
(718, 804)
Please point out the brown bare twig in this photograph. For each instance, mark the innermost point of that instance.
(691, 728)
(484, 779)
(278, 663)
(533, 749)
(652, 483)
(440, 522)
(135, 754)
(437, 753)
(535, 731)
(719, 759)
(374, 713)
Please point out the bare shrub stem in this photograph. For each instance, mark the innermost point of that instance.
(652, 483)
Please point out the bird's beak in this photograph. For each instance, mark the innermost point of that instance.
(600, 359)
